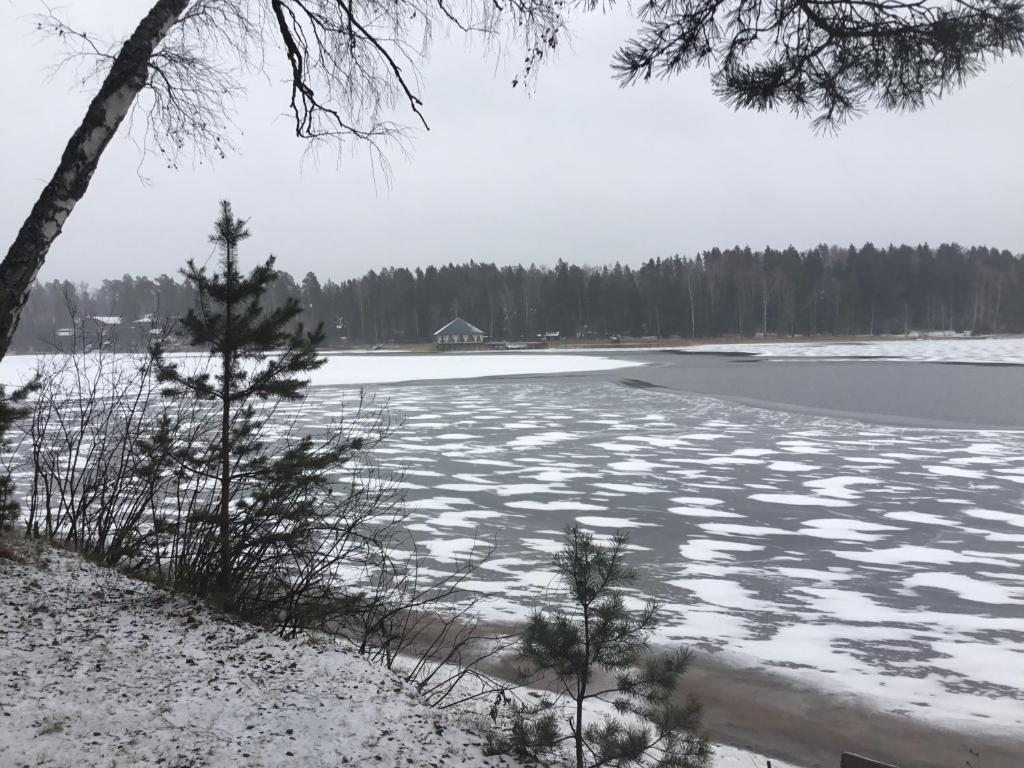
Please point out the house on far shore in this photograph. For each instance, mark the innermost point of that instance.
(101, 331)
(458, 334)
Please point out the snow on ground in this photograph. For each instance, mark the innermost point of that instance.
(97, 669)
(345, 369)
(998, 350)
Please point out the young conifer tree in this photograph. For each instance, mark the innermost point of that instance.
(12, 408)
(10, 411)
(597, 650)
(259, 354)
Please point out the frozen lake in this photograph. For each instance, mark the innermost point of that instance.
(857, 524)
(869, 557)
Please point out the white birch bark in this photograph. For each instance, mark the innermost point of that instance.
(106, 112)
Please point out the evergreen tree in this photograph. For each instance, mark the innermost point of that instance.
(259, 355)
(11, 409)
(599, 635)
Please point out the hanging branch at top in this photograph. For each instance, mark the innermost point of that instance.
(179, 73)
(828, 59)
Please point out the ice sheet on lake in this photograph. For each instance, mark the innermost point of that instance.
(344, 369)
(1001, 350)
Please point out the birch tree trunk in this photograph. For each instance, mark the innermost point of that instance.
(69, 183)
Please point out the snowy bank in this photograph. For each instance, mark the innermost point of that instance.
(99, 669)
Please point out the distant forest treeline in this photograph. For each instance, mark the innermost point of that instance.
(827, 290)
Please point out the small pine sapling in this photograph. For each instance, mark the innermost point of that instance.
(597, 650)
(12, 408)
(260, 354)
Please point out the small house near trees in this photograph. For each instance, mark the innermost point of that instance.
(458, 334)
(101, 331)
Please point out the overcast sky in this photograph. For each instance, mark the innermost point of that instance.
(581, 169)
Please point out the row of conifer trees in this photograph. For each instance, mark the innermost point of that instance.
(737, 291)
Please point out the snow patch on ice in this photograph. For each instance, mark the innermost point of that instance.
(967, 588)
(714, 549)
(799, 500)
(611, 522)
(555, 506)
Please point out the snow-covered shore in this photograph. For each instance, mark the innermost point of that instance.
(97, 669)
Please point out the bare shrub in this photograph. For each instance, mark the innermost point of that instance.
(426, 624)
(121, 474)
(90, 410)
